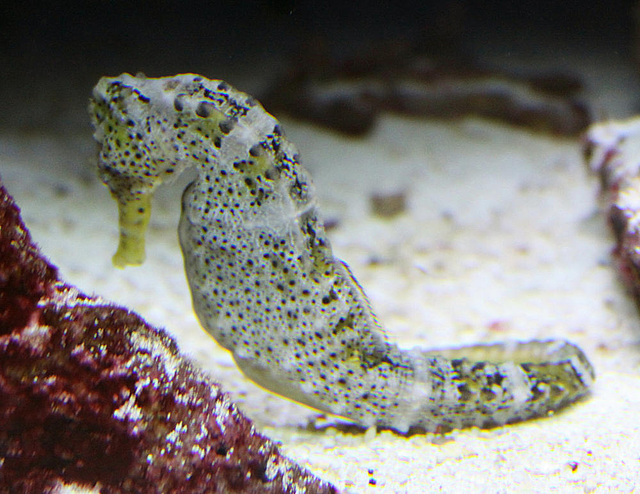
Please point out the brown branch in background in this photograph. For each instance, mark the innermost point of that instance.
(347, 95)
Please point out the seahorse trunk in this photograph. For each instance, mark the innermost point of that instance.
(265, 282)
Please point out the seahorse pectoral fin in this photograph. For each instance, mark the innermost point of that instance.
(133, 218)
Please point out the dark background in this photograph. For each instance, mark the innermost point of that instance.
(51, 51)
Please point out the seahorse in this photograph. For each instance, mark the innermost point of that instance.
(266, 285)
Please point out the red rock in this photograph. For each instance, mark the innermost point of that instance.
(92, 395)
(611, 152)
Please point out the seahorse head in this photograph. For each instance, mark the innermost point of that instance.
(135, 122)
(148, 131)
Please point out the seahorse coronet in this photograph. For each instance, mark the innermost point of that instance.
(265, 283)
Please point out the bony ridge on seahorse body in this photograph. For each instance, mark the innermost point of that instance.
(265, 282)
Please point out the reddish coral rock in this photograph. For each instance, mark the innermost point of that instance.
(611, 151)
(91, 395)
